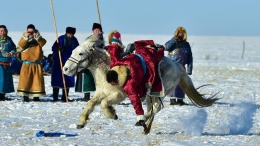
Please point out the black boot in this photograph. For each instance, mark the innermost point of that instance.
(55, 94)
(36, 99)
(173, 102)
(25, 98)
(64, 97)
(87, 96)
(181, 102)
(2, 97)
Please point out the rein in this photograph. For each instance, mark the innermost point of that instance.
(76, 61)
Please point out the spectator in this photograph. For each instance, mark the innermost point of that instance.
(66, 44)
(31, 81)
(7, 49)
(179, 51)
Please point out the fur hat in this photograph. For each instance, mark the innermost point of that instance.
(181, 30)
(31, 26)
(71, 30)
(97, 26)
(114, 37)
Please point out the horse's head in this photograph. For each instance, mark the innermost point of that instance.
(81, 56)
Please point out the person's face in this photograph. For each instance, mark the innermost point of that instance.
(2, 32)
(30, 32)
(70, 35)
(180, 34)
(114, 83)
(96, 31)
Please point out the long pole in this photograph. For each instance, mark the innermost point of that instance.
(55, 28)
(99, 19)
(244, 46)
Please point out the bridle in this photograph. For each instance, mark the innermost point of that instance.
(77, 62)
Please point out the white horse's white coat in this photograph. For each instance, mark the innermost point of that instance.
(97, 60)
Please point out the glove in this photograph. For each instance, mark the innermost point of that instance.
(59, 47)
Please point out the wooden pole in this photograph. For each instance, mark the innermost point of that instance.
(55, 28)
(99, 19)
(244, 47)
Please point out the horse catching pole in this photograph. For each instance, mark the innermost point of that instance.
(56, 32)
(99, 19)
(244, 46)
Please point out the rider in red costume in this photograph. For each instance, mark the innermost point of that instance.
(133, 80)
(142, 76)
(152, 55)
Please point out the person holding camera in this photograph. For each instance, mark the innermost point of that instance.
(179, 51)
(66, 44)
(7, 50)
(31, 81)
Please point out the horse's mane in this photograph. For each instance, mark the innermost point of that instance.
(101, 58)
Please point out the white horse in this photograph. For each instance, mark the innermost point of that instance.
(97, 60)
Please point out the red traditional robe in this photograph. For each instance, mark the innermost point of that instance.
(135, 85)
(152, 57)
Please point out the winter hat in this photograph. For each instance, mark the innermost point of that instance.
(97, 25)
(31, 26)
(116, 39)
(181, 30)
(71, 30)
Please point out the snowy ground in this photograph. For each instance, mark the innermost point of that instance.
(233, 120)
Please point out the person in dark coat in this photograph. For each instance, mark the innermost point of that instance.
(66, 44)
(7, 49)
(85, 81)
(179, 51)
(46, 65)
(16, 65)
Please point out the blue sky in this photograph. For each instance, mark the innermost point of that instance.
(199, 17)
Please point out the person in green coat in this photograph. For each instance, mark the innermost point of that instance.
(85, 82)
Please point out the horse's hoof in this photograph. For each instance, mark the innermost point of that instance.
(116, 117)
(80, 126)
(146, 131)
(138, 124)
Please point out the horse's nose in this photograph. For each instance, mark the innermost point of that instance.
(65, 69)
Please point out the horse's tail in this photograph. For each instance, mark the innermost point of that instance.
(188, 87)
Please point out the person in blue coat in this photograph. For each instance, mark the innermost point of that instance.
(16, 65)
(66, 44)
(7, 50)
(46, 65)
(179, 51)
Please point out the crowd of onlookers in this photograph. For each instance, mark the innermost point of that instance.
(27, 60)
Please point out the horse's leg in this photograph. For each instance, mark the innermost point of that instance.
(89, 109)
(106, 104)
(149, 102)
(156, 107)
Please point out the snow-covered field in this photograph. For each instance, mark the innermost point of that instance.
(233, 120)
